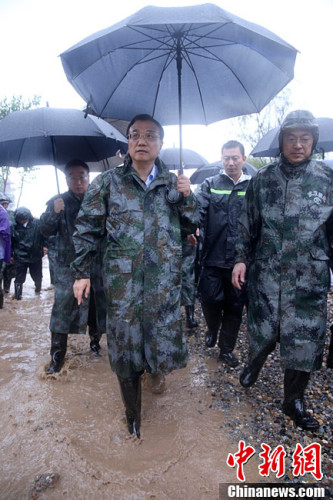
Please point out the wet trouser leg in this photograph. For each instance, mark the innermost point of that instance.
(232, 313)
(212, 314)
(57, 352)
(295, 383)
(131, 396)
(95, 337)
(37, 274)
(20, 276)
(211, 296)
(251, 370)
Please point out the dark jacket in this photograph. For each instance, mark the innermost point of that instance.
(220, 203)
(27, 242)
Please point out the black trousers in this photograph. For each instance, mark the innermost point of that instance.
(35, 270)
(218, 294)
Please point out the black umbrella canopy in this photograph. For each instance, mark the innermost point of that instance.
(191, 159)
(269, 143)
(226, 66)
(52, 136)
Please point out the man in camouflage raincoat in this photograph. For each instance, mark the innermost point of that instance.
(139, 209)
(286, 230)
(67, 317)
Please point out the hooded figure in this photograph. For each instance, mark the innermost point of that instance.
(4, 245)
(286, 239)
(27, 250)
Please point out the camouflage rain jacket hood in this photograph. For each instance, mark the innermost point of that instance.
(142, 265)
(287, 227)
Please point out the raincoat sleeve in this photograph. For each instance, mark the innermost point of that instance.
(49, 220)
(90, 226)
(203, 197)
(5, 233)
(189, 214)
(249, 224)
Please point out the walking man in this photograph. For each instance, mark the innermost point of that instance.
(286, 239)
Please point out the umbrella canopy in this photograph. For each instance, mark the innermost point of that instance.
(51, 136)
(218, 64)
(215, 168)
(269, 143)
(191, 159)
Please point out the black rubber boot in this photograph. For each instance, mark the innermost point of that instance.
(212, 313)
(58, 352)
(295, 382)
(131, 395)
(94, 341)
(18, 290)
(1, 299)
(251, 370)
(190, 321)
(329, 361)
(38, 286)
(6, 284)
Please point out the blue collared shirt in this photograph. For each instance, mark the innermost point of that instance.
(152, 175)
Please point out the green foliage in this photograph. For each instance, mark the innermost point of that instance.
(16, 103)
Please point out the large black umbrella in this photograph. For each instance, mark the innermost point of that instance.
(215, 168)
(52, 136)
(269, 143)
(218, 64)
(191, 159)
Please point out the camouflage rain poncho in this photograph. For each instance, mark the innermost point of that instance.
(286, 226)
(142, 265)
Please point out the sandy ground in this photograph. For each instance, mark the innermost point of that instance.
(67, 433)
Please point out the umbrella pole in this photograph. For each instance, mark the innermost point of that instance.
(179, 73)
(54, 162)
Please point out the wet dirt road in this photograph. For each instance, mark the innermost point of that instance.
(73, 424)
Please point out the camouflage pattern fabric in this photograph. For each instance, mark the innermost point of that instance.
(142, 265)
(27, 242)
(188, 274)
(286, 228)
(67, 317)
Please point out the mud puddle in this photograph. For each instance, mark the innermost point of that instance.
(72, 426)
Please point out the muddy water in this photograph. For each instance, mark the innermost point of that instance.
(73, 424)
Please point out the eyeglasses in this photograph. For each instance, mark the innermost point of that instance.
(302, 140)
(77, 180)
(148, 136)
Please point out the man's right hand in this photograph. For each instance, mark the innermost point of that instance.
(238, 275)
(81, 289)
(58, 205)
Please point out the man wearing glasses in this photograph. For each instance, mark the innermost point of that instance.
(286, 240)
(143, 209)
(67, 317)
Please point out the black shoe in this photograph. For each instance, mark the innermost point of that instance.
(95, 347)
(229, 359)
(211, 338)
(249, 375)
(296, 411)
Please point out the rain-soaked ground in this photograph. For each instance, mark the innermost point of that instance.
(68, 434)
(65, 436)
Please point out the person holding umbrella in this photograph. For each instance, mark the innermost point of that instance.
(135, 209)
(286, 240)
(67, 317)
